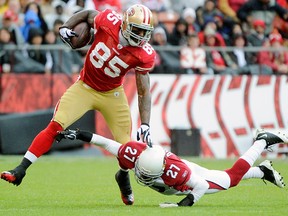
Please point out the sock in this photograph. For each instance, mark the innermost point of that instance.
(238, 170)
(244, 163)
(252, 154)
(253, 172)
(25, 163)
(44, 140)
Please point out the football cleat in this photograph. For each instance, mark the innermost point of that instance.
(14, 176)
(123, 181)
(270, 174)
(270, 137)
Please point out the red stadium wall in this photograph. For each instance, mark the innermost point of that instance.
(226, 109)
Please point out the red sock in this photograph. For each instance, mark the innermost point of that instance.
(238, 170)
(44, 140)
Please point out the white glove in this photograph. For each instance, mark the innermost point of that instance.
(66, 34)
(143, 134)
(168, 205)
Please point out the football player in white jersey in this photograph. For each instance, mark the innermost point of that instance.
(170, 175)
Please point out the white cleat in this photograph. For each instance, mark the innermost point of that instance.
(270, 174)
(271, 137)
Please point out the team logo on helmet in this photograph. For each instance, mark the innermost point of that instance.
(130, 12)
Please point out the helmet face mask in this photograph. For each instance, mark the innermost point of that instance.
(137, 25)
(150, 165)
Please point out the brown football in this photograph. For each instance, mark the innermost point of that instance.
(84, 35)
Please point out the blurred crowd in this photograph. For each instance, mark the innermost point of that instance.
(211, 36)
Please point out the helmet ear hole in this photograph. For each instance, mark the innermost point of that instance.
(140, 17)
(150, 165)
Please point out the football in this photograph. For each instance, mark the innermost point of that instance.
(83, 31)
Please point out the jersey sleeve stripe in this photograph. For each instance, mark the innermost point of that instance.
(143, 69)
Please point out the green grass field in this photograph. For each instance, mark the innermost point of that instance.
(78, 186)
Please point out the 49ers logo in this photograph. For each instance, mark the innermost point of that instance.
(131, 12)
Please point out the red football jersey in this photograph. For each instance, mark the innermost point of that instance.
(107, 61)
(176, 172)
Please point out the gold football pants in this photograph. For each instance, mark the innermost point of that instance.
(113, 105)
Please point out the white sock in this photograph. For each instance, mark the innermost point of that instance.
(254, 151)
(253, 172)
(30, 156)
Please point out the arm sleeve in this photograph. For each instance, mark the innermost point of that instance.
(108, 144)
(199, 185)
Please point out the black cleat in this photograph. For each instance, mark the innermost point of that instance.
(14, 176)
(270, 174)
(123, 181)
(271, 137)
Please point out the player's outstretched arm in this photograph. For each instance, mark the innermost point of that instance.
(86, 136)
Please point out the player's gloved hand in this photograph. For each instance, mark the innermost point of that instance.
(66, 34)
(187, 201)
(67, 134)
(143, 134)
(73, 135)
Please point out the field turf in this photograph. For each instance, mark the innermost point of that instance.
(76, 186)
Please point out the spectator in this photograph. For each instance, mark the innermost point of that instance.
(277, 59)
(9, 21)
(224, 26)
(58, 13)
(33, 19)
(5, 55)
(218, 37)
(159, 37)
(64, 61)
(39, 55)
(56, 25)
(193, 57)
(265, 10)
(189, 15)
(166, 61)
(199, 17)
(237, 29)
(219, 61)
(157, 22)
(15, 7)
(243, 60)
(209, 11)
(179, 34)
(257, 37)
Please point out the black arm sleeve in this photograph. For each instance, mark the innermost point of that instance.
(187, 201)
(84, 136)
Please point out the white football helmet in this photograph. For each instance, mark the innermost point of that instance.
(137, 17)
(150, 165)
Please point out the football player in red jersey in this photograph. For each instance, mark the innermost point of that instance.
(168, 174)
(119, 45)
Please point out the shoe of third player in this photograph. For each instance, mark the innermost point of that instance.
(270, 174)
(271, 137)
